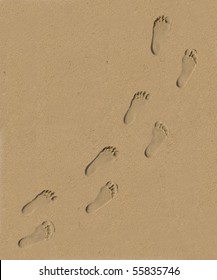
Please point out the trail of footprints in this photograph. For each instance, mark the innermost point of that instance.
(109, 154)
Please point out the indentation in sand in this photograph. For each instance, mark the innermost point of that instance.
(42, 232)
(161, 28)
(138, 101)
(105, 195)
(105, 156)
(159, 134)
(42, 199)
(189, 62)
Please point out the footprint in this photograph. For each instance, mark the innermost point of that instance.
(42, 232)
(189, 62)
(105, 195)
(160, 30)
(159, 134)
(106, 155)
(42, 199)
(137, 102)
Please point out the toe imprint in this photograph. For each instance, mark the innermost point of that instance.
(49, 229)
(109, 150)
(141, 94)
(113, 187)
(162, 126)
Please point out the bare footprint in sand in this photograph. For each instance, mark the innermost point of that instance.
(161, 28)
(189, 62)
(105, 195)
(42, 199)
(138, 101)
(42, 232)
(159, 134)
(107, 154)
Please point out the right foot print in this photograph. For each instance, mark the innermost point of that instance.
(189, 62)
(160, 30)
(105, 195)
(137, 102)
(159, 134)
(108, 154)
(42, 199)
(42, 232)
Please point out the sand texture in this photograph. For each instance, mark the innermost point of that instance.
(108, 129)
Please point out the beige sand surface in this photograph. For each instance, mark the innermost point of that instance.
(68, 72)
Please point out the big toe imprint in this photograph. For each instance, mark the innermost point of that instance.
(42, 232)
(106, 194)
(159, 134)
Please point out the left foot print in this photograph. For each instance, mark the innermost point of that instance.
(139, 99)
(106, 194)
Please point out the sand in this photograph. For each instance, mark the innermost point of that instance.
(69, 71)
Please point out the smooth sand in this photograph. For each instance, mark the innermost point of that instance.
(68, 72)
